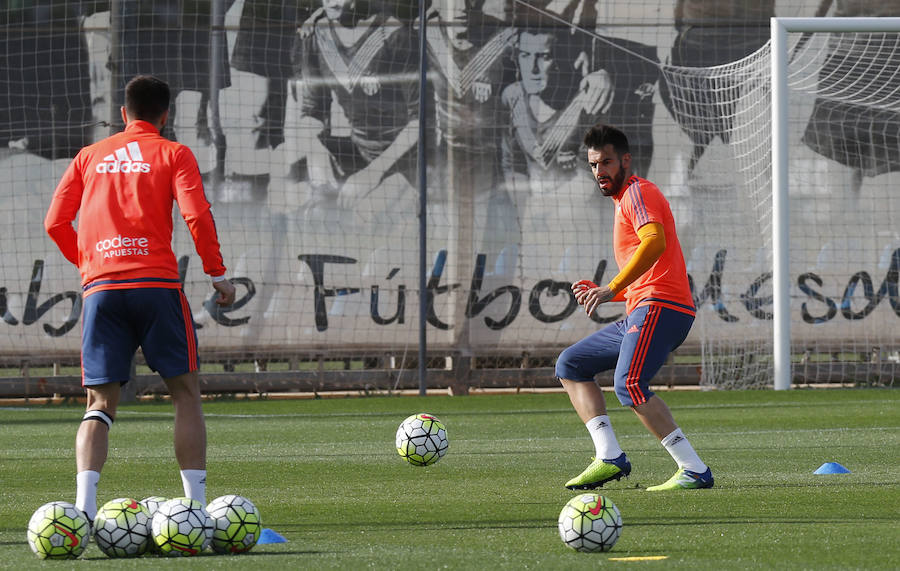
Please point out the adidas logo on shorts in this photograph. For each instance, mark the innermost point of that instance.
(127, 159)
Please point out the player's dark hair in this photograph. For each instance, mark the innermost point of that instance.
(147, 98)
(538, 25)
(601, 135)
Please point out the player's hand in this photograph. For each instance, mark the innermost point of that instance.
(598, 92)
(580, 289)
(370, 84)
(226, 292)
(482, 91)
(321, 173)
(566, 159)
(590, 295)
(306, 29)
(358, 186)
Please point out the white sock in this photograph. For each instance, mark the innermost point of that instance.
(605, 443)
(677, 445)
(194, 482)
(86, 492)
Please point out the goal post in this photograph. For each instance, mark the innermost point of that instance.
(781, 281)
(789, 188)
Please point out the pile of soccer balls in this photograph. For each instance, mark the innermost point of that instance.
(125, 527)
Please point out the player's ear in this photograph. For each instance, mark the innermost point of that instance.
(124, 115)
(626, 160)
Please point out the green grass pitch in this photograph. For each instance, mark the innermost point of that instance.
(325, 475)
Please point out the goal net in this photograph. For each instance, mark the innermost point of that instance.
(841, 160)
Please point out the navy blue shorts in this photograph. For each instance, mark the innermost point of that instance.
(116, 322)
(635, 347)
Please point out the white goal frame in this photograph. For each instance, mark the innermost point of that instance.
(781, 281)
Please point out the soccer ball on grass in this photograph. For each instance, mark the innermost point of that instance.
(122, 528)
(590, 522)
(152, 504)
(58, 530)
(236, 524)
(182, 527)
(422, 439)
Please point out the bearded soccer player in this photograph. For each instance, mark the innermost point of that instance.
(653, 282)
(122, 189)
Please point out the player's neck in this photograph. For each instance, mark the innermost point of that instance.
(540, 109)
(626, 182)
(347, 35)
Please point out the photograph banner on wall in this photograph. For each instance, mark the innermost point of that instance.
(305, 121)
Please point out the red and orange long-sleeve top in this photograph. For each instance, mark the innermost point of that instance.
(122, 190)
(641, 212)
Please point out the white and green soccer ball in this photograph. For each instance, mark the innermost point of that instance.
(152, 503)
(122, 528)
(58, 530)
(422, 439)
(236, 524)
(182, 527)
(590, 522)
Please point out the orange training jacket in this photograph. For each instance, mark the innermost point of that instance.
(122, 189)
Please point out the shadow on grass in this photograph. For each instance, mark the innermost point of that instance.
(760, 520)
(640, 487)
(850, 483)
(258, 551)
(536, 523)
(544, 523)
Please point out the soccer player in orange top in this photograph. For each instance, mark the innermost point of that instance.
(653, 282)
(122, 189)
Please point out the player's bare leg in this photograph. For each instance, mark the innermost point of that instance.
(190, 433)
(610, 463)
(692, 471)
(92, 440)
(92, 443)
(656, 416)
(587, 398)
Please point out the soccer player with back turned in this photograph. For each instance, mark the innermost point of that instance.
(652, 280)
(122, 189)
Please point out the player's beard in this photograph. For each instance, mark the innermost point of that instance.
(617, 182)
